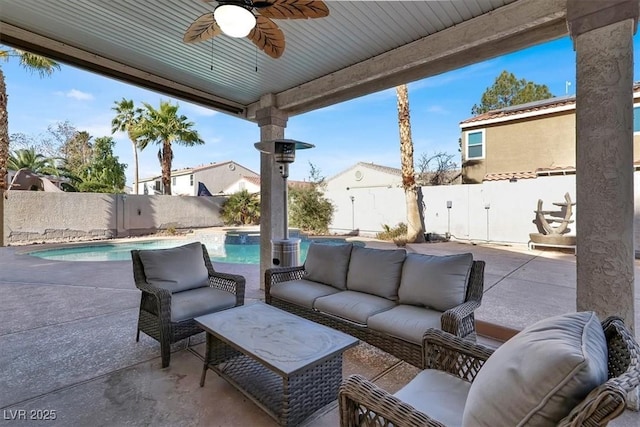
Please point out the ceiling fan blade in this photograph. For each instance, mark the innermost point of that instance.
(268, 37)
(293, 9)
(202, 29)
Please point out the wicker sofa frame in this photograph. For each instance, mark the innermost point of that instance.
(458, 321)
(155, 305)
(364, 404)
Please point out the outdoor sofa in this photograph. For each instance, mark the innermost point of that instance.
(179, 284)
(568, 370)
(388, 298)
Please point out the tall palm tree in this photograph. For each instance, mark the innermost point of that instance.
(126, 119)
(415, 232)
(164, 126)
(31, 62)
(44, 67)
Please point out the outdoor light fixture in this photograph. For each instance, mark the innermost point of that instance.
(235, 19)
(285, 252)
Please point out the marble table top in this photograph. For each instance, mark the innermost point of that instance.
(283, 341)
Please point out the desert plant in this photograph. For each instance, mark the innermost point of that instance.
(241, 208)
(393, 233)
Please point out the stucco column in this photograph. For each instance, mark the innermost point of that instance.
(602, 34)
(272, 123)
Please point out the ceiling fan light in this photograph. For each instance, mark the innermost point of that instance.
(234, 20)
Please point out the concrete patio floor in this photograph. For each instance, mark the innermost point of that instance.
(67, 340)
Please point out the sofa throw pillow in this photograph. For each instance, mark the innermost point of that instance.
(375, 271)
(438, 282)
(328, 264)
(539, 375)
(175, 269)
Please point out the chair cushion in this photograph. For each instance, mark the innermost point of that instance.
(539, 375)
(301, 292)
(407, 322)
(197, 302)
(328, 264)
(438, 282)
(353, 306)
(439, 395)
(175, 269)
(375, 271)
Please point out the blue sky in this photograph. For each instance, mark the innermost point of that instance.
(360, 130)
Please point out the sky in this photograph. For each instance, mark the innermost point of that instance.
(361, 130)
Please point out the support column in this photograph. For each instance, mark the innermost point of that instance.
(272, 123)
(602, 34)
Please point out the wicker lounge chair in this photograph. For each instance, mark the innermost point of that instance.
(157, 319)
(364, 404)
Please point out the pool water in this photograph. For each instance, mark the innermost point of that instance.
(231, 253)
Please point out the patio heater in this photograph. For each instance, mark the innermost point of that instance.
(285, 252)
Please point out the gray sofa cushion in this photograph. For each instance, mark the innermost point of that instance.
(301, 292)
(438, 282)
(438, 394)
(537, 376)
(328, 264)
(407, 322)
(375, 271)
(353, 306)
(197, 302)
(175, 269)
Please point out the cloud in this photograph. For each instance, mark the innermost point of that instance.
(437, 109)
(198, 110)
(77, 95)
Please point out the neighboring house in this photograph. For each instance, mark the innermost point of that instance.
(42, 182)
(528, 140)
(365, 176)
(216, 178)
(366, 197)
(249, 183)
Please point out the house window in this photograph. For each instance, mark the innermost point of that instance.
(157, 186)
(475, 145)
(173, 180)
(636, 119)
(191, 180)
(242, 185)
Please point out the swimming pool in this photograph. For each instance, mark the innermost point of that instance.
(220, 252)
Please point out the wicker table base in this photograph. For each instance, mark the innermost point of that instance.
(276, 371)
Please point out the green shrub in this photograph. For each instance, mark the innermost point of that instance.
(309, 210)
(396, 233)
(241, 208)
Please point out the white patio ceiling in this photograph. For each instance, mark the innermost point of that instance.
(360, 48)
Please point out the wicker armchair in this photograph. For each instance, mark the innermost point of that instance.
(155, 305)
(364, 404)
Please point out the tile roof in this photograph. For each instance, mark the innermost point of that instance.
(531, 107)
(504, 176)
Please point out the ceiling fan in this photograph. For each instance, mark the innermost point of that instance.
(238, 18)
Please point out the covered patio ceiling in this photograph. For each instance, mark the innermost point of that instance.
(360, 48)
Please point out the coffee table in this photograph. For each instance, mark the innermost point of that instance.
(287, 365)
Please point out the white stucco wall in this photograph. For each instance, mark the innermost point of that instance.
(183, 186)
(509, 217)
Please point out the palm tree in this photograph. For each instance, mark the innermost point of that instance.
(31, 62)
(415, 232)
(164, 126)
(241, 208)
(126, 119)
(35, 162)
